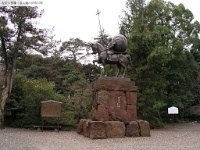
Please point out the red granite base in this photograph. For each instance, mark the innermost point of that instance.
(113, 129)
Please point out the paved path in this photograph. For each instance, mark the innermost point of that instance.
(180, 137)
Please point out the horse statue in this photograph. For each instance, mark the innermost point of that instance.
(107, 56)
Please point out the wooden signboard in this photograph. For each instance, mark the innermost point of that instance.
(51, 108)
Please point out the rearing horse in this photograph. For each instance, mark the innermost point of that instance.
(120, 60)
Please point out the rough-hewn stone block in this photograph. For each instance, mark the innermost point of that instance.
(115, 129)
(100, 114)
(131, 98)
(86, 128)
(116, 84)
(113, 100)
(80, 126)
(131, 113)
(144, 127)
(132, 129)
(97, 130)
(117, 106)
(102, 97)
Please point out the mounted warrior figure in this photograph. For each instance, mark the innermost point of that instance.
(114, 54)
(117, 45)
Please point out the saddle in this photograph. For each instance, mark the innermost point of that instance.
(110, 53)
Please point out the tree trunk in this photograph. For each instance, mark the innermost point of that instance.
(2, 113)
(4, 96)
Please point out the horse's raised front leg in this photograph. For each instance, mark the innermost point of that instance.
(95, 61)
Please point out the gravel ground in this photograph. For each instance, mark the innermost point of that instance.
(173, 137)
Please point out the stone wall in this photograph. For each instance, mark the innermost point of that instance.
(114, 113)
(114, 99)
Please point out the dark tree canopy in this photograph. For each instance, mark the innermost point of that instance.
(160, 35)
(18, 35)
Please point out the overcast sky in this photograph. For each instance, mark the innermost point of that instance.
(78, 19)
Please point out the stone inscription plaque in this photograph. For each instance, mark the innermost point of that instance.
(118, 101)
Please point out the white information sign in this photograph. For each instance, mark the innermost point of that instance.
(172, 110)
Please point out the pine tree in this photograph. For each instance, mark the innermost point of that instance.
(159, 35)
(18, 34)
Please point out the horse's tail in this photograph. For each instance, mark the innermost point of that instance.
(129, 58)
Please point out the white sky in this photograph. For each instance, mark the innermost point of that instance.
(78, 19)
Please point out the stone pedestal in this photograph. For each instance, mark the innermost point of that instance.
(114, 113)
(113, 129)
(114, 99)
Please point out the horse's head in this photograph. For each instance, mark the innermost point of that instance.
(94, 48)
(97, 48)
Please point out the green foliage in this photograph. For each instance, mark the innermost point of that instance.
(23, 107)
(62, 79)
(164, 46)
(91, 72)
(25, 101)
(196, 51)
(154, 122)
(159, 35)
(80, 102)
(73, 48)
(103, 38)
(195, 113)
(18, 35)
(68, 118)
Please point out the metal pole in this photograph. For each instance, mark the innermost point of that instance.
(98, 12)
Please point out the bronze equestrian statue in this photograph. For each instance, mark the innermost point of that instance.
(114, 54)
